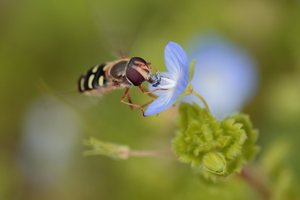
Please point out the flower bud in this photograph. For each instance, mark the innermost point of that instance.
(214, 148)
(214, 162)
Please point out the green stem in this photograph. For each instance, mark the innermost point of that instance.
(201, 99)
(190, 90)
(144, 153)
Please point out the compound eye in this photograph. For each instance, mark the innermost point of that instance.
(134, 76)
(137, 71)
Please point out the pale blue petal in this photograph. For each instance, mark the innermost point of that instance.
(176, 59)
(182, 82)
(160, 104)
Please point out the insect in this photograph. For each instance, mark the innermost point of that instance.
(119, 74)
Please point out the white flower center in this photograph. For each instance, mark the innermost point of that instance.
(167, 83)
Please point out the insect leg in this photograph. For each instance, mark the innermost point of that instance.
(147, 103)
(149, 93)
(129, 100)
(141, 107)
(129, 103)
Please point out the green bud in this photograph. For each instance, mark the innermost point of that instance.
(215, 163)
(214, 148)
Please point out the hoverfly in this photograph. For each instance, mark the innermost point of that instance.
(120, 74)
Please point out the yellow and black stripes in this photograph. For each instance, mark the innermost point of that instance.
(93, 79)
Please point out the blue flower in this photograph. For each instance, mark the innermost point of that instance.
(173, 82)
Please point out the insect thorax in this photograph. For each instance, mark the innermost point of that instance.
(117, 72)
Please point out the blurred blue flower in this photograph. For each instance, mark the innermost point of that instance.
(50, 133)
(173, 82)
(224, 75)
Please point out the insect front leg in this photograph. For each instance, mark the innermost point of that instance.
(149, 92)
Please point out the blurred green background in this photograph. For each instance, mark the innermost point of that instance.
(45, 46)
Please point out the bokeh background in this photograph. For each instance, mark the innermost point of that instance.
(46, 45)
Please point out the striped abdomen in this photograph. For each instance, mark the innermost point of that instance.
(93, 79)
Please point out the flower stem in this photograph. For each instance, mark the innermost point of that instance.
(190, 90)
(255, 183)
(201, 99)
(143, 153)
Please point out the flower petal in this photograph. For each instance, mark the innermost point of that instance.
(173, 82)
(160, 104)
(176, 59)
